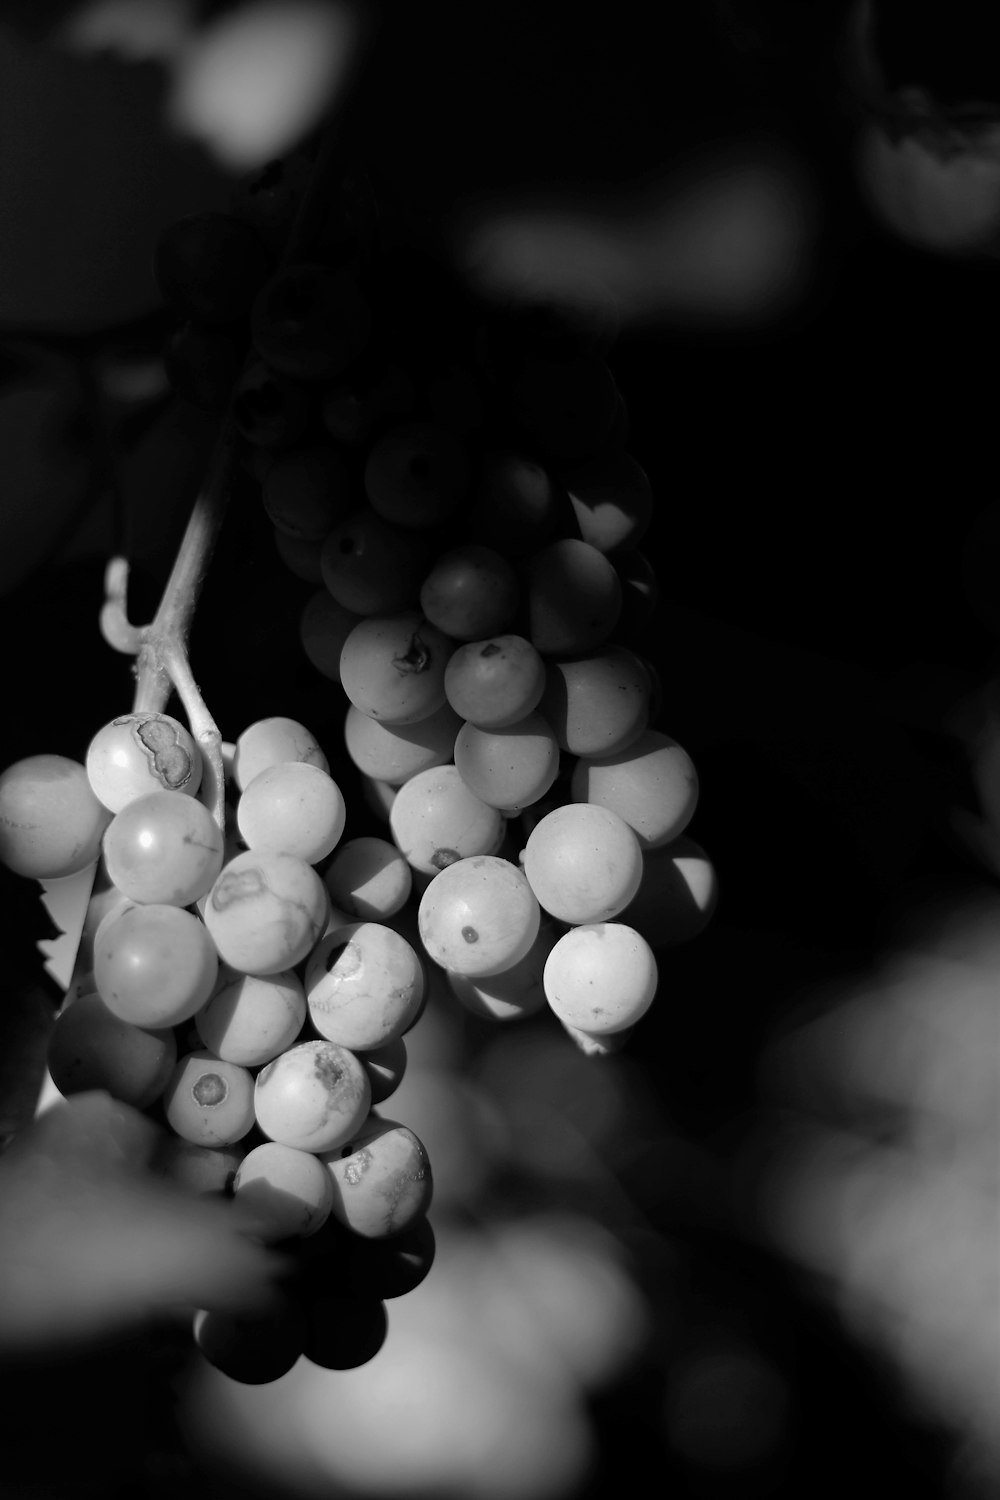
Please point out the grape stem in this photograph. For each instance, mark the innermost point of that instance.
(162, 665)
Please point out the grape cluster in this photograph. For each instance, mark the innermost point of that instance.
(219, 987)
(451, 482)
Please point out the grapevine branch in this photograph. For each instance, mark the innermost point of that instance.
(162, 664)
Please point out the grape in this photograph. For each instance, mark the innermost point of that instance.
(142, 752)
(470, 592)
(163, 848)
(252, 1018)
(310, 321)
(677, 895)
(514, 504)
(478, 916)
(583, 862)
(435, 819)
(611, 499)
(600, 977)
(509, 768)
(208, 1101)
(265, 911)
(369, 878)
(92, 1048)
(372, 567)
(417, 474)
(385, 1067)
(200, 1169)
(307, 491)
(154, 965)
(209, 266)
(292, 808)
(394, 752)
(254, 1350)
(324, 626)
(271, 410)
(51, 821)
(288, 1191)
(572, 597)
(494, 683)
(269, 741)
(515, 992)
(652, 784)
(597, 704)
(381, 1178)
(364, 985)
(392, 667)
(315, 1096)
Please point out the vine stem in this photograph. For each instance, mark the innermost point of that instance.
(162, 664)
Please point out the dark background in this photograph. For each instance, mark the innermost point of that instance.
(818, 487)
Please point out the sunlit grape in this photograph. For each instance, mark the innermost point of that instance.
(599, 703)
(288, 1191)
(478, 916)
(381, 1179)
(515, 992)
(139, 753)
(583, 862)
(600, 977)
(51, 821)
(265, 911)
(435, 818)
(652, 784)
(315, 1096)
(269, 741)
(292, 808)
(509, 768)
(163, 848)
(392, 667)
(368, 877)
(394, 752)
(208, 1101)
(364, 985)
(154, 965)
(251, 1018)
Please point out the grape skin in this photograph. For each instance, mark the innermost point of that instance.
(51, 821)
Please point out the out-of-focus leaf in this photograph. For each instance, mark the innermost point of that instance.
(92, 1242)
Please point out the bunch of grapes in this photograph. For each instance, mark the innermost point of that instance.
(218, 987)
(452, 484)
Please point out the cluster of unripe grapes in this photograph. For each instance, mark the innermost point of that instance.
(220, 988)
(452, 484)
